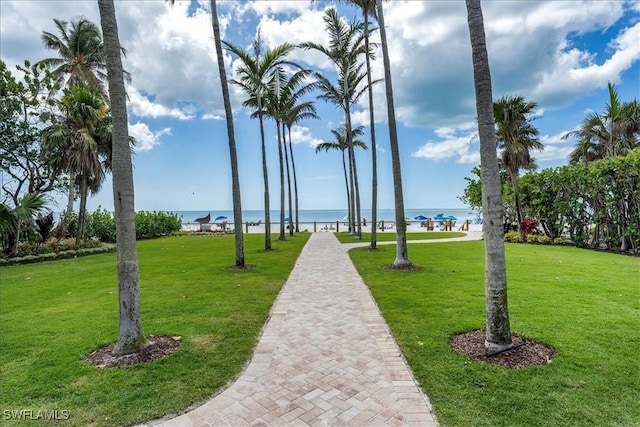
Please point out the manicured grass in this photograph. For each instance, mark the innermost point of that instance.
(390, 236)
(585, 304)
(53, 314)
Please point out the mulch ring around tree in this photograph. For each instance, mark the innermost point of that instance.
(410, 267)
(527, 352)
(158, 347)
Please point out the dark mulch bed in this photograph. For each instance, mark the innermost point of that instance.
(158, 347)
(471, 344)
(410, 267)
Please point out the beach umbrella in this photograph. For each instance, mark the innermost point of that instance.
(220, 218)
(421, 218)
(439, 216)
(450, 218)
(286, 219)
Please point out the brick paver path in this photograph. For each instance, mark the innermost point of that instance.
(325, 358)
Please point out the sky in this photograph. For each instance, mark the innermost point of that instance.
(559, 54)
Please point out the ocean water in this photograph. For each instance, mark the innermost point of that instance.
(325, 215)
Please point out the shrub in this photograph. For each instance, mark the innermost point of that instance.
(101, 225)
(512, 236)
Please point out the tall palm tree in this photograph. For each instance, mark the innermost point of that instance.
(340, 143)
(131, 337)
(295, 114)
(516, 137)
(345, 46)
(368, 8)
(81, 141)
(498, 332)
(235, 180)
(81, 54)
(402, 257)
(254, 73)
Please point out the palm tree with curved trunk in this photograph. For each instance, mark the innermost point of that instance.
(498, 332)
(402, 256)
(81, 142)
(346, 44)
(235, 180)
(516, 137)
(340, 144)
(131, 338)
(254, 73)
(12, 218)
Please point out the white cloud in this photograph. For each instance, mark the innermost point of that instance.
(460, 144)
(302, 134)
(146, 139)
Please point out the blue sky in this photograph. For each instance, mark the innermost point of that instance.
(560, 54)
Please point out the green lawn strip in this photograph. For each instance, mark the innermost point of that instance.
(390, 236)
(53, 314)
(585, 304)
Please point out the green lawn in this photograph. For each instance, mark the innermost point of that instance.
(390, 236)
(53, 314)
(583, 303)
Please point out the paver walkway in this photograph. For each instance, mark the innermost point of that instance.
(326, 357)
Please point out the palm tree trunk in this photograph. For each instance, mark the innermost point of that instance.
(286, 160)
(356, 187)
(295, 183)
(84, 190)
(402, 259)
(72, 193)
(374, 158)
(281, 161)
(265, 177)
(498, 333)
(346, 184)
(235, 180)
(516, 196)
(130, 336)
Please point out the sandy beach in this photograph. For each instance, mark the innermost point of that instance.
(323, 227)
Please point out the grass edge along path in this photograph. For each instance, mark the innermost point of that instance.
(390, 236)
(585, 304)
(53, 314)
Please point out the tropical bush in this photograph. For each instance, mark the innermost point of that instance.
(596, 204)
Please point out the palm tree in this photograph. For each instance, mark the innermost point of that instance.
(254, 72)
(402, 258)
(235, 180)
(80, 141)
(345, 46)
(368, 8)
(295, 114)
(516, 137)
(613, 133)
(81, 54)
(498, 332)
(131, 338)
(340, 143)
(11, 220)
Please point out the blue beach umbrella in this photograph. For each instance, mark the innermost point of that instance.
(421, 218)
(220, 218)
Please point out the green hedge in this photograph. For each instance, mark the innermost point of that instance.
(101, 224)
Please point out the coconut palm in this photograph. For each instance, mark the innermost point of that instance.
(81, 54)
(254, 72)
(516, 137)
(498, 332)
(340, 143)
(131, 337)
(295, 114)
(346, 44)
(402, 257)
(235, 180)
(80, 141)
